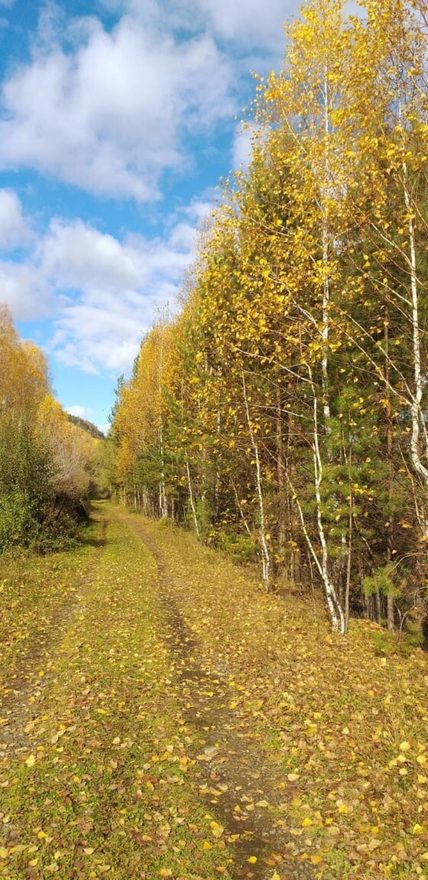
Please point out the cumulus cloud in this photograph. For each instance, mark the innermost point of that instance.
(76, 255)
(101, 293)
(201, 208)
(22, 289)
(95, 338)
(249, 24)
(122, 285)
(15, 231)
(79, 411)
(109, 110)
(108, 113)
(242, 145)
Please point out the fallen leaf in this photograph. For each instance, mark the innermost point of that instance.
(217, 830)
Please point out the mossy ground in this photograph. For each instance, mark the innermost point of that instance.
(162, 717)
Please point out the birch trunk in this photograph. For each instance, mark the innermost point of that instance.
(390, 614)
(280, 470)
(334, 606)
(241, 512)
(191, 498)
(325, 257)
(418, 435)
(163, 503)
(266, 563)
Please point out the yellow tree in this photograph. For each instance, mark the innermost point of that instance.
(307, 105)
(71, 449)
(394, 119)
(139, 424)
(23, 372)
(42, 455)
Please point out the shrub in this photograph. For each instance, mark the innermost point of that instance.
(240, 547)
(17, 518)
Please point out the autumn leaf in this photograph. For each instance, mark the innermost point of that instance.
(216, 829)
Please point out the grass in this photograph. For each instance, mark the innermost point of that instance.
(164, 718)
(347, 726)
(33, 589)
(103, 785)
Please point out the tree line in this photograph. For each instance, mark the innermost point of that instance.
(45, 460)
(283, 413)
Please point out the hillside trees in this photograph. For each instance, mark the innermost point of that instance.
(43, 458)
(284, 413)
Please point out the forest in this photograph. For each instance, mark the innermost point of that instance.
(45, 459)
(282, 413)
(214, 619)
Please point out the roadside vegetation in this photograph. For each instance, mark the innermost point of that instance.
(282, 415)
(44, 458)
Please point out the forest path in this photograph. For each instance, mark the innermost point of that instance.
(160, 717)
(236, 775)
(35, 650)
(121, 750)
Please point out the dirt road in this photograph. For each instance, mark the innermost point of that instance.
(161, 717)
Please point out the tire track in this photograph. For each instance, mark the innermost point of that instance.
(17, 706)
(227, 759)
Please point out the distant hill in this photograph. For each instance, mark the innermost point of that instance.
(89, 427)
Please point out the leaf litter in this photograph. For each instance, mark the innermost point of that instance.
(190, 727)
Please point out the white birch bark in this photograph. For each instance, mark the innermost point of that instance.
(163, 503)
(325, 257)
(241, 512)
(418, 435)
(334, 606)
(191, 498)
(266, 563)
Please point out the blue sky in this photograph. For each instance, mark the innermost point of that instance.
(117, 120)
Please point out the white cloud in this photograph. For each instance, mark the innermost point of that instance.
(250, 22)
(101, 293)
(108, 114)
(245, 23)
(200, 209)
(22, 289)
(79, 411)
(14, 229)
(75, 255)
(121, 286)
(105, 428)
(242, 145)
